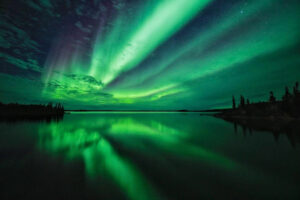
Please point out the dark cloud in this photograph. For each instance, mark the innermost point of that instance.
(84, 78)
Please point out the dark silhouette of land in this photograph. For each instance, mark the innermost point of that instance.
(15, 112)
(276, 116)
(286, 109)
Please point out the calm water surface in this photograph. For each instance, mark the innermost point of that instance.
(145, 156)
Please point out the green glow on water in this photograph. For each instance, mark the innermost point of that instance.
(56, 139)
(136, 155)
(89, 137)
(104, 159)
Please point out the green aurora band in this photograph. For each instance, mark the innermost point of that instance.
(148, 55)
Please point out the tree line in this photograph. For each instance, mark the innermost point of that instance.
(32, 109)
(288, 105)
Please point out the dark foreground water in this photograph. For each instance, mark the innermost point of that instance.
(145, 156)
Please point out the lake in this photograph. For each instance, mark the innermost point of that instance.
(145, 156)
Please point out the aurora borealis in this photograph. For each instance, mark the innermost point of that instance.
(147, 54)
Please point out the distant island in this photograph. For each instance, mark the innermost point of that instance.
(276, 116)
(288, 108)
(15, 111)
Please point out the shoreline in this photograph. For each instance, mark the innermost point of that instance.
(244, 117)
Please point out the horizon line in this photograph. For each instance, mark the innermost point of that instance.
(110, 110)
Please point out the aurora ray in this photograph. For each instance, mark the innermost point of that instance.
(147, 54)
(153, 31)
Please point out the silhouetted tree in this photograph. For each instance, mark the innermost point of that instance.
(287, 94)
(242, 101)
(296, 88)
(233, 102)
(272, 98)
(50, 105)
(288, 107)
(37, 111)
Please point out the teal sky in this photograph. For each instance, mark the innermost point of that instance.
(147, 54)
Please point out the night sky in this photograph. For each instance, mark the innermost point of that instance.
(147, 54)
